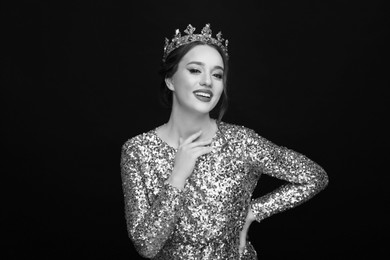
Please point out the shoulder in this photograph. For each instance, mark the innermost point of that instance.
(234, 129)
(246, 138)
(239, 132)
(138, 142)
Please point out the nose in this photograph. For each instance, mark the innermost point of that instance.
(206, 80)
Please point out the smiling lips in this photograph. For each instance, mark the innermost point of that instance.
(204, 95)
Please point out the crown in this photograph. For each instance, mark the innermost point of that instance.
(204, 36)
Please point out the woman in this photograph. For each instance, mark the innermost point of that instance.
(188, 183)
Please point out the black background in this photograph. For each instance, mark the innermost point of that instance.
(79, 79)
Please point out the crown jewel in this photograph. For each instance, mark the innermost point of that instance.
(204, 36)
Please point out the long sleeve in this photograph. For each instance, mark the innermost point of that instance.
(305, 177)
(149, 224)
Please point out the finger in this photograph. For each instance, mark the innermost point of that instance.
(192, 137)
(199, 151)
(242, 242)
(200, 143)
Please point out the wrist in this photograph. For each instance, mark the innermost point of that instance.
(250, 217)
(176, 182)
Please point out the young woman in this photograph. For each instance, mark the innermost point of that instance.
(188, 183)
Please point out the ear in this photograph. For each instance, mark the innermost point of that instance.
(169, 83)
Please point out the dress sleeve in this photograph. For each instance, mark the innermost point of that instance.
(305, 177)
(149, 224)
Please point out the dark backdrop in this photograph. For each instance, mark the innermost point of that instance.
(79, 79)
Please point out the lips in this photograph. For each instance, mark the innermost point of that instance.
(203, 93)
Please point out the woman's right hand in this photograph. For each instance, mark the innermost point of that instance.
(187, 153)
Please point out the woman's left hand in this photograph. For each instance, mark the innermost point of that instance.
(244, 232)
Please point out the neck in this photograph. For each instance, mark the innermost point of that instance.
(183, 124)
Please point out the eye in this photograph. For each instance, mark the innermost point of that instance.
(218, 75)
(194, 71)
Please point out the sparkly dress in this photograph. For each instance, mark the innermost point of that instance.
(204, 220)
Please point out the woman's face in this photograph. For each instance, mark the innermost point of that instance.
(197, 84)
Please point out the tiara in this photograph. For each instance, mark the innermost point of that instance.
(204, 36)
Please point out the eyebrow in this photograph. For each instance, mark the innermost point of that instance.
(202, 64)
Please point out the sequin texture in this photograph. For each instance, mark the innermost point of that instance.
(204, 220)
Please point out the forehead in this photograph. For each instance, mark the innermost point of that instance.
(205, 54)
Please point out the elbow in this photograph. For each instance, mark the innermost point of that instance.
(146, 251)
(326, 179)
(145, 247)
(322, 180)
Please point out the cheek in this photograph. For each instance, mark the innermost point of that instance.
(183, 82)
(218, 90)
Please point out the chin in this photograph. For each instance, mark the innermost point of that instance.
(205, 108)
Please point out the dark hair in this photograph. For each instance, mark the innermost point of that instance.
(169, 67)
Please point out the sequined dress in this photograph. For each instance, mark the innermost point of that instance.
(204, 220)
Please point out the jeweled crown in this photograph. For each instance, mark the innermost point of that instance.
(204, 36)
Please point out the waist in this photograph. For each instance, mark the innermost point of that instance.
(229, 237)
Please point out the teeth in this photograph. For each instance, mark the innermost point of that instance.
(202, 94)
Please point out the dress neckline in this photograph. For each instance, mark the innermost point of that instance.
(215, 137)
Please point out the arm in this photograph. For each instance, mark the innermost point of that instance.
(149, 224)
(305, 177)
